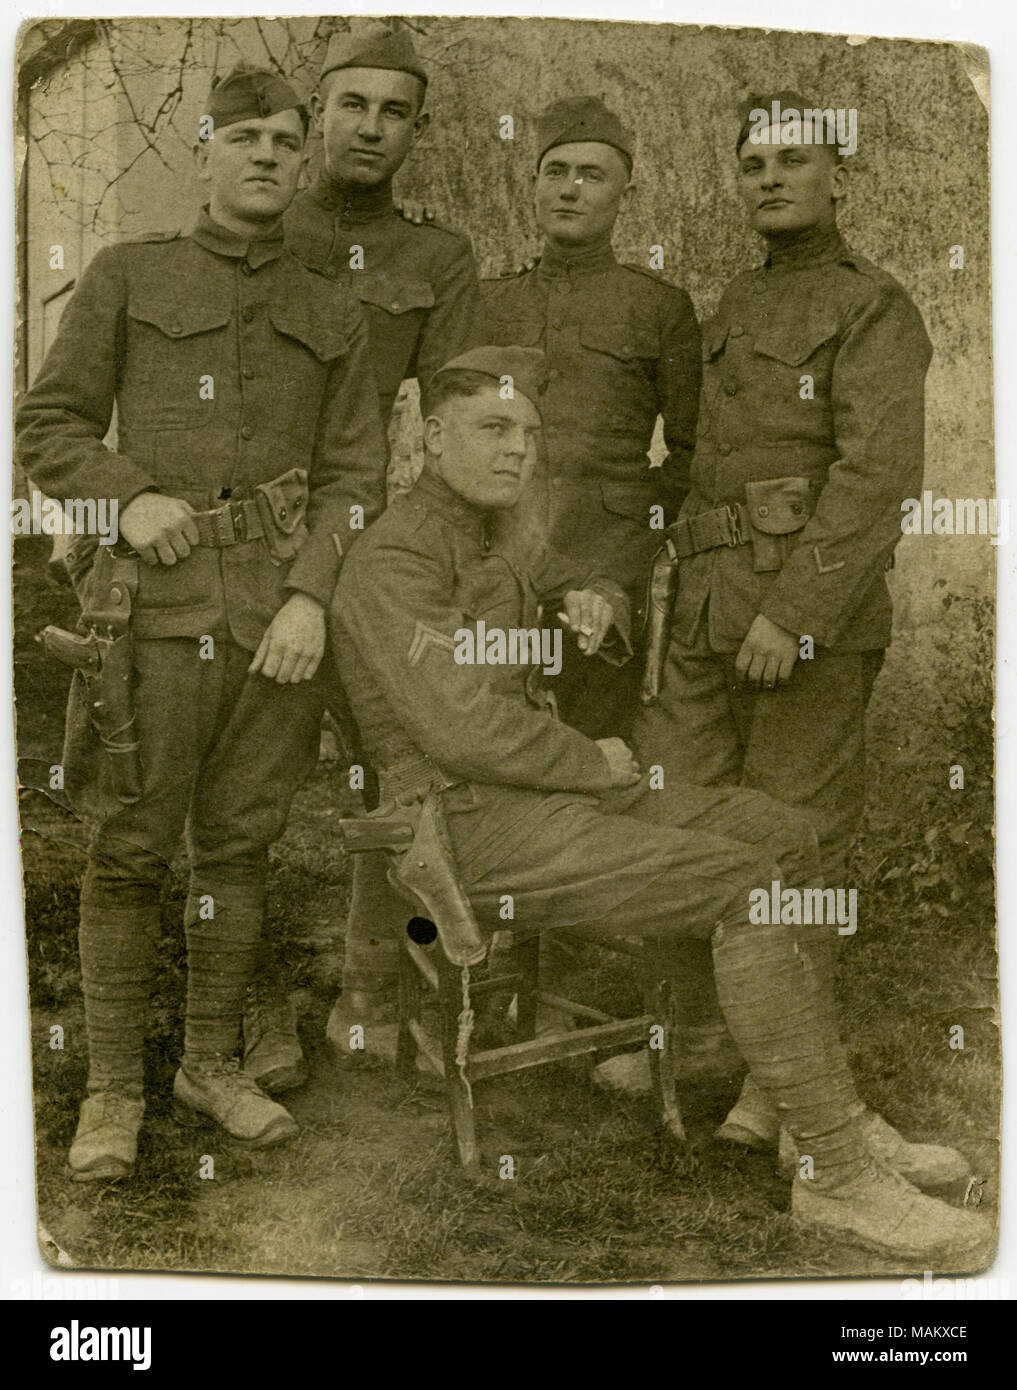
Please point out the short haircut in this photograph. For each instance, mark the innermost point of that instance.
(421, 86)
(456, 384)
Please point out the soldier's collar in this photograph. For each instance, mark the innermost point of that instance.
(436, 495)
(354, 204)
(554, 262)
(815, 246)
(257, 251)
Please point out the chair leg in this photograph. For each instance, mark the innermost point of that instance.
(451, 1004)
(658, 1005)
(409, 1010)
(528, 967)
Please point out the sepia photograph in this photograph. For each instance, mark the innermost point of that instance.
(504, 562)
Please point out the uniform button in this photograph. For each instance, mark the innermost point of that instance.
(797, 508)
(627, 349)
(176, 330)
(247, 373)
(731, 387)
(247, 269)
(248, 314)
(556, 484)
(763, 511)
(554, 373)
(724, 449)
(395, 306)
(247, 432)
(557, 323)
(736, 330)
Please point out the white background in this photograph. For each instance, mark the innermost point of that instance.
(994, 25)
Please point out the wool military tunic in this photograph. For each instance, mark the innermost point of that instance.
(417, 284)
(622, 347)
(229, 363)
(814, 370)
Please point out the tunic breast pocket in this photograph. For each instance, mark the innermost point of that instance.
(623, 341)
(394, 294)
(172, 355)
(309, 342)
(796, 351)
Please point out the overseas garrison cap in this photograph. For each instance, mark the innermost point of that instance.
(248, 93)
(789, 101)
(574, 119)
(374, 46)
(526, 367)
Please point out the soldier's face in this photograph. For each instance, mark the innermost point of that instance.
(368, 118)
(789, 187)
(579, 192)
(252, 167)
(483, 447)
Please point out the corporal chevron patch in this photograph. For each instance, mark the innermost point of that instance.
(425, 637)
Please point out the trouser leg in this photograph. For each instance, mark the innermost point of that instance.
(265, 745)
(669, 867)
(129, 852)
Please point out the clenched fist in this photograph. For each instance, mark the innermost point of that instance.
(159, 528)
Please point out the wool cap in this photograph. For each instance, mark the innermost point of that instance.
(373, 46)
(578, 119)
(526, 367)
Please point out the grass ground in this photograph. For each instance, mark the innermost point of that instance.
(370, 1188)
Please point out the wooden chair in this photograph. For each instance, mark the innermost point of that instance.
(444, 971)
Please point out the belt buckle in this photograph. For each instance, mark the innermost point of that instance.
(225, 528)
(735, 527)
(239, 519)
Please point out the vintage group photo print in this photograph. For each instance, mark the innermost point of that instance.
(505, 536)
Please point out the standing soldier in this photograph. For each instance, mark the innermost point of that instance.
(622, 348)
(418, 288)
(811, 434)
(248, 438)
(417, 282)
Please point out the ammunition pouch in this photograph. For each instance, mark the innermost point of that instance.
(777, 508)
(774, 510)
(282, 508)
(102, 658)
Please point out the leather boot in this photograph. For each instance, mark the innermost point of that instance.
(106, 1143)
(220, 1091)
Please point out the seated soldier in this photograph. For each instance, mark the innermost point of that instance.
(567, 825)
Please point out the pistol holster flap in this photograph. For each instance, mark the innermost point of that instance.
(777, 507)
(282, 507)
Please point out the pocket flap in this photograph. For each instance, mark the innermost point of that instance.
(176, 319)
(286, 500)
(779, 506)
(622, 340)
(625, 500)
(396, 294)
(794, 344)
(324, 337)
(516, 332)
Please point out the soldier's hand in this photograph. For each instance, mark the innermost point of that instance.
(412, 211)
(768, 654)
(294, 642)
(589, 615)
(621, 761)
(521, 267)
(159, 528)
